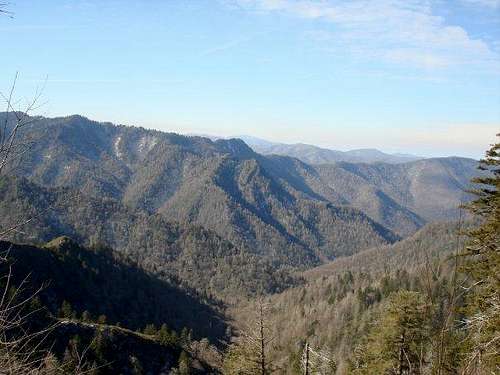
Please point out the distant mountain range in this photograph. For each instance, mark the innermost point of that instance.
(164, 198)
(316, 155)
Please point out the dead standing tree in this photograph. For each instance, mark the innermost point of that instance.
(249, 354)
(317, 362)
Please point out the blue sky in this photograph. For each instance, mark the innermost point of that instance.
(419, 76)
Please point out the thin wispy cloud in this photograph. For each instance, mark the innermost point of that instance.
(231, 44)
(225, 46)
(52, 27)
(394, 31)
(108, 81)
(485, 3)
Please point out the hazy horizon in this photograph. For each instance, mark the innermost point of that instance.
(419, 77)
(275, 140)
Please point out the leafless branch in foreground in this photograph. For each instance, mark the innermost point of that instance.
(14, 140)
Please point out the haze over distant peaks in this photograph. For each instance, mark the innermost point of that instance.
(317, 155)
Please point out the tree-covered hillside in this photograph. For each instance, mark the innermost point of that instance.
(185, 254)
(432, 189)
(259, 204)
(95, 310)
(339, 301)
(197, 226)
(263, 204)
(428, 304)
(103, 282)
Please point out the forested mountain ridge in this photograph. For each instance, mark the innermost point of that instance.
(402, 192)
(277, 213)
(195, 257)
(433, 189)
(344, 188)
(254, 197)
(257, 203)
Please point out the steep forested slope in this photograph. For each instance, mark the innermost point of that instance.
(103, 282)
(153, 170)
(97, 302)
(338, 302)
(342, 188)
(224, 186)
(432, 188)
(182, 253)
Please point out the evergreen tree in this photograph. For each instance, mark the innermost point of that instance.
(398, 341)
(66, 311)
(167, 337)
(150, 330)
(482, 266)
(184, 364)
(186, 336)
(99, 346)
(135, 366)
(86, 316)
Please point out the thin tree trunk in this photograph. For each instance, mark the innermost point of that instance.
(306, 365)
(401, 356)
(262, 344)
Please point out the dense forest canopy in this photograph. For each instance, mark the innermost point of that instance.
(220, 260)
